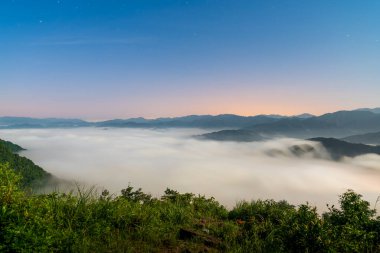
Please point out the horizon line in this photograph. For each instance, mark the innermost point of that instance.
(180, 116)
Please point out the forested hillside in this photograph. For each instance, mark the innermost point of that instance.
(11, 146)
(32, 175)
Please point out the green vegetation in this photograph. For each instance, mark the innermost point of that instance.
(136, 222)
(11, 146)
(32, 175)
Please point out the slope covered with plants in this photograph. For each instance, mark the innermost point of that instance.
(32, 175)
(135, 222)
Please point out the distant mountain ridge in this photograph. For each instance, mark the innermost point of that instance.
(338, 148)
(304, 116)
(369, 138)
(201, 121)
(302, 125)
(338, 124)
(25, 122)
(374, 110)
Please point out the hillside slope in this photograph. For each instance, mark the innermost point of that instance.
(338, 148)
(137, 222)
(32, 175)
(369, 138)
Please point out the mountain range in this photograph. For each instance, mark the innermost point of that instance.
(369, 138)
(338, 125)
(374, 110)
(194, 121)
(342, 133)
(339, 148)
(191, 121)
(356, 124)
(24, 122)
(223, 121)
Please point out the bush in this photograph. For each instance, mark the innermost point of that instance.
(136, 222)
(353, 227)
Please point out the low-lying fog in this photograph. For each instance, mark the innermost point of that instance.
(156, 159)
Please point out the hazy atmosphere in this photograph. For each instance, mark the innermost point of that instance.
(190, 126)
(229, 171)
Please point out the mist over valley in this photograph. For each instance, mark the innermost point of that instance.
(189, 126)
(154, 159)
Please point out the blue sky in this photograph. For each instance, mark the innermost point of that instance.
(105, 59)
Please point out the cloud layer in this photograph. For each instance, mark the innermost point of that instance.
(156, 159)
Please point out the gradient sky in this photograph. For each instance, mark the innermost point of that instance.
(99, 59)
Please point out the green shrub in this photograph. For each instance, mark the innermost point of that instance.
(136, 222)
(353, 227)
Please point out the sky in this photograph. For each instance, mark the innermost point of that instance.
(118, 59)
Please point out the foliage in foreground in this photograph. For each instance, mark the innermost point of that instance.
(136, 222)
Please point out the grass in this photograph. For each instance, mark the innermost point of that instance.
(135, 222)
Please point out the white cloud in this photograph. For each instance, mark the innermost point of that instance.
(156, 159)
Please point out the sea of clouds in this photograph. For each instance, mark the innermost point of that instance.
(155, 159)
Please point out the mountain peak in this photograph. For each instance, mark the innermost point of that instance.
(304, 116)
(373, 110)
